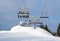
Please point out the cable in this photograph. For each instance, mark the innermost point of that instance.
(46, 2)
(43, 10)
(24, 1)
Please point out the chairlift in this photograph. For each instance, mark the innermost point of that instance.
(23, 14)
(44, 17)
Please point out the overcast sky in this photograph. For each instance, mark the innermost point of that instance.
(9, 10)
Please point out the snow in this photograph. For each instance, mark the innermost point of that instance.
(30, 30)
(20, 33)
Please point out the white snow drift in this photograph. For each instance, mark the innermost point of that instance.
(20, 33)
(30, 30)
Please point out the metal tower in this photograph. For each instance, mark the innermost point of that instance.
(24, 13)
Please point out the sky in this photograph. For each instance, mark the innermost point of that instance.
(10, 8)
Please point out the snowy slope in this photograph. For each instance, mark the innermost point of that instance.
(20, 33)
(30, 30)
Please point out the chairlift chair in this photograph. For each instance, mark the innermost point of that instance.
(23, 14)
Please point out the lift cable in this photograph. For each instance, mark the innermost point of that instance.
(43, 10)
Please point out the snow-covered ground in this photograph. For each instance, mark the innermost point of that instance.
(20, 33)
